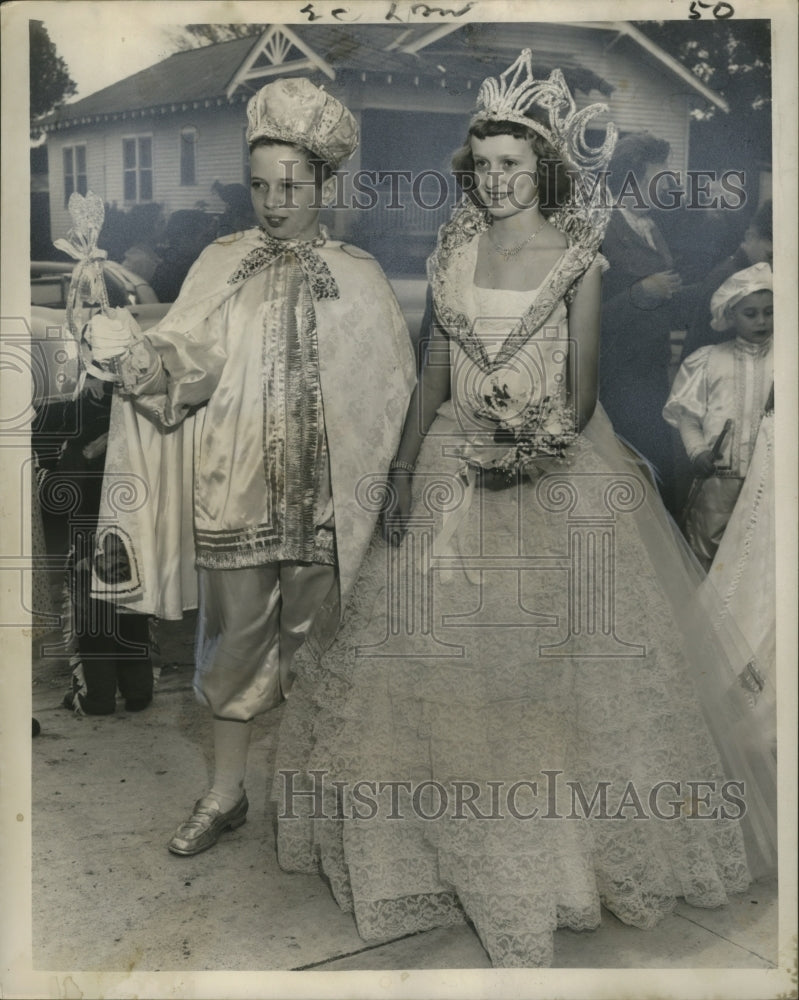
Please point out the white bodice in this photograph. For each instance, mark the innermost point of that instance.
(536, 370)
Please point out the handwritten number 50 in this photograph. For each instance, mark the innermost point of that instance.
(721, 11)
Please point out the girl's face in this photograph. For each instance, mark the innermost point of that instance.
(753, 317)
(284, 192)
(505, 171)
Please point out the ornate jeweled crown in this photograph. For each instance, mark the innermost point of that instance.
(517, 94)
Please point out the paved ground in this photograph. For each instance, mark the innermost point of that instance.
(107, 793)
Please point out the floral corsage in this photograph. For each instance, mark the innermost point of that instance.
(545, 430)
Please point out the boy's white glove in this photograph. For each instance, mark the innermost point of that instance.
(111, 335)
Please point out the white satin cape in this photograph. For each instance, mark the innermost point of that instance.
(367, 374)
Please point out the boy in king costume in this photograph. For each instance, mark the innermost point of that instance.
(288, 353)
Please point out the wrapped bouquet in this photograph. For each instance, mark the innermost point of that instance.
(544, 430)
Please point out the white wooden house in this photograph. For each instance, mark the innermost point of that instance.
(168, 132)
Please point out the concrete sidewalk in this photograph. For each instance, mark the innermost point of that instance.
(107, 895)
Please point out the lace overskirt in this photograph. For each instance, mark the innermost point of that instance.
(506, 726)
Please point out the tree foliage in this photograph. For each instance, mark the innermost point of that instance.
(192, 36)
(50, 82)
(732, 57)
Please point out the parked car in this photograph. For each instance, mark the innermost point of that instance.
(54, 351)
(50, 284)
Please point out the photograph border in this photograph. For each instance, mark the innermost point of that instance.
(17, 976)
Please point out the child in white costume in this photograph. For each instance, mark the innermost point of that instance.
(290, 353)
(725, 382)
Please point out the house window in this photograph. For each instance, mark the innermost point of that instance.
(74, 171)
(137, 165)
(188, 156)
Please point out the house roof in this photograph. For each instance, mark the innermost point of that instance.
(228, 72)
(191, 76)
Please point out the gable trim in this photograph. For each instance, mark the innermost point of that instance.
(275, 44)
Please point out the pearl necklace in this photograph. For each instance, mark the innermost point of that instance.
(509, 252)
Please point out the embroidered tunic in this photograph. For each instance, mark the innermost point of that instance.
(262, 485)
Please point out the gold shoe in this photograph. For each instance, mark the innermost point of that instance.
(206, 824)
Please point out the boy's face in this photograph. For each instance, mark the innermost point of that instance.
(284, 192)
(753, 317)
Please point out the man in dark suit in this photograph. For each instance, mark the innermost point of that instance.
(638, 298)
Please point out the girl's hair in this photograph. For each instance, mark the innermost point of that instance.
(632, 155)
(321, 168)
(554, 184)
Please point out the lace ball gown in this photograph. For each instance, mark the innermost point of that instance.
(507, 726)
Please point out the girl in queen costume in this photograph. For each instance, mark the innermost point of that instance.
(518, 719)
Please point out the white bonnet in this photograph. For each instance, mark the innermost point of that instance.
(757, 278)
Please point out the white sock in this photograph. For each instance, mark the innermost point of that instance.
(231, 743)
